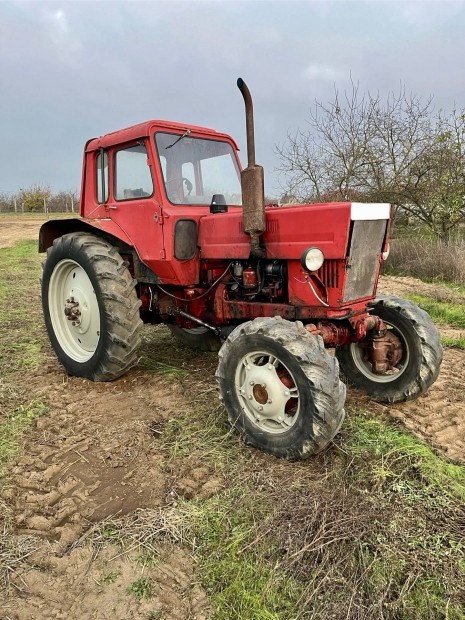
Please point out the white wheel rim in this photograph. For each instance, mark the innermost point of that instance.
(71, 289)
(269, 403)
(365, 367)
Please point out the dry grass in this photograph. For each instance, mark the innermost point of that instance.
(14, 553)
(427, 259)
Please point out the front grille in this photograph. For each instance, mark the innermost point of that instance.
(365, 247)
(329, 273)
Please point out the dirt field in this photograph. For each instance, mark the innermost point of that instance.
(15, 228)
(94, 455)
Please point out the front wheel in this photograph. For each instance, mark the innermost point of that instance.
(90, 306)
(419, 361)
(280, 388)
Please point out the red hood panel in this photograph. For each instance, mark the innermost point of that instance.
(289, 231)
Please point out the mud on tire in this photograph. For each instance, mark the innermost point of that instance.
(421, 359)
(85, 277)
(278, 366)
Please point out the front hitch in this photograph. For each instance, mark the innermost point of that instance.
(381, 347)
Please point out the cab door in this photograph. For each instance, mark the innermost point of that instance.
(135, 207)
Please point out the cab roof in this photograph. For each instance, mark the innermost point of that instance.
(147, 128)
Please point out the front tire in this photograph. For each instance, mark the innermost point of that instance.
(420, 361)
(280, 388)
(90, 307)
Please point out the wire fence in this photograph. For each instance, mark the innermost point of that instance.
(53, 205)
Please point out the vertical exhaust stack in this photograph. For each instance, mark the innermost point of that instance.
(252, 182)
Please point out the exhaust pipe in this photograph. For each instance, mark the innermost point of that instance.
(252, 183)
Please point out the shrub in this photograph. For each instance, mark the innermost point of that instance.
(427, 259)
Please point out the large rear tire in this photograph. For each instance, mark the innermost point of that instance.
(419, 363)
(90, 307)
(280, 388)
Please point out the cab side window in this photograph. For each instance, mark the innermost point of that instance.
(102, 192)
(132, 174)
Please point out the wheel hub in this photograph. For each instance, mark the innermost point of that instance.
(263, 395)
(260, 394)
(72, 311)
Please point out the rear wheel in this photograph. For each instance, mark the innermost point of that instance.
(419, 362)
(280, 388)
(90, 307)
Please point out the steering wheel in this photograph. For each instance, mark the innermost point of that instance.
(180, 182)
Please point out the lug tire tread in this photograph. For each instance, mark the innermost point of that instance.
(321, 370)
(429, 343)
(119, 299)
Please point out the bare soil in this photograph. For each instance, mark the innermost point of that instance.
(95, 455)
(19, 227)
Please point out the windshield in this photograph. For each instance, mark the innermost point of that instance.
(194, 169)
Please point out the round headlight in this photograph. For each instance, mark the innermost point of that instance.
(386, 253)
(312, 259)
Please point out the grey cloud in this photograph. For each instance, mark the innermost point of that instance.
(73, 70)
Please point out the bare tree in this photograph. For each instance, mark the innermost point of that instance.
(64, 202)
(397, 151)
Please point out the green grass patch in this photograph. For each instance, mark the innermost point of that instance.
(453, 343)
(20, 320)
(441, 312)
(143, 588)
(22, 340)
(13, 428)
(238, 570)
(397, 463)
(110, 578)
(158, 353)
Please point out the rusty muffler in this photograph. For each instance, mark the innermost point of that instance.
(252, 182)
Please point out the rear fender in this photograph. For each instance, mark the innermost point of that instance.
(106, 229)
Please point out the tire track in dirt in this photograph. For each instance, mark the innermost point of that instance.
(96, 585)
(439, 415)
(94, 455)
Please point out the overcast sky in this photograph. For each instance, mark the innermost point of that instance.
(74, 70)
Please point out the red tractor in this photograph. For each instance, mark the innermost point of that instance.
(172, 231)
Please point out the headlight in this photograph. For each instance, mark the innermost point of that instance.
(312, 259)
(386, 253)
